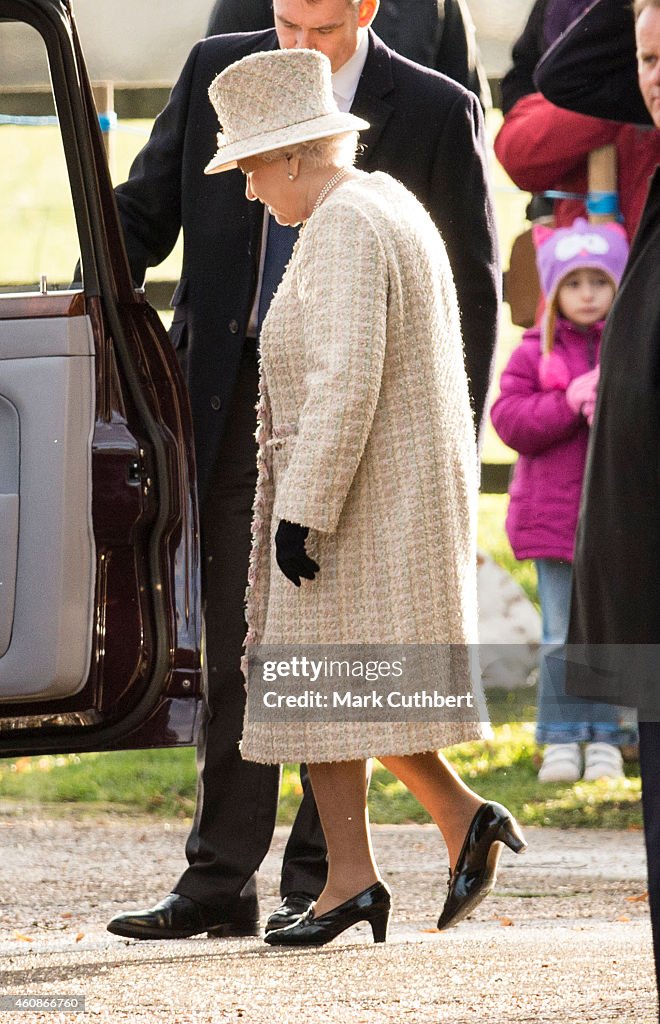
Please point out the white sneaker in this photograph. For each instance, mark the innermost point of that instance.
(602, 761)
(562, 762)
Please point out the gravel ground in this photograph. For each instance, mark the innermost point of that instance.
(564, 938)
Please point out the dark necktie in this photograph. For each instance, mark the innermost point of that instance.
(279, 246)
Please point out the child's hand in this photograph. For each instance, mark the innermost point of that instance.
(588, 409)
(581, 392)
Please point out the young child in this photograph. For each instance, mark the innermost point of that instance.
(545, 409)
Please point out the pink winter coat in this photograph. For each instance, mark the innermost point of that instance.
(552, 442)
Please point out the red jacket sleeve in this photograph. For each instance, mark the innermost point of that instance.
(538, 143)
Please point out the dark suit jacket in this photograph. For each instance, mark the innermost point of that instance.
(615, 605)
(436, 33)
(425, 130)
(592, 68)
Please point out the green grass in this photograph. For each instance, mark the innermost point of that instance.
(492, 539)
(162, 783)
(37, 228)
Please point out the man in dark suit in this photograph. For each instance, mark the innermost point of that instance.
(436, 33)
(426, 131)
(608, 65)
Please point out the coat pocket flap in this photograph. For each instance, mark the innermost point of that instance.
(180, 293)
(178, 333)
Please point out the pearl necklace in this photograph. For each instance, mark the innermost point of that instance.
(328, 187)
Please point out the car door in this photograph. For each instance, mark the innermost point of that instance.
(99, 545)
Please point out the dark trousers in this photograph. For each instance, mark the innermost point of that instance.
(236, 799)
(649, 763)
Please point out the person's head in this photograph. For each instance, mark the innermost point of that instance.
(284, 179)
(647, 37)
(333, 27)
(282, 128)
(585, 296)
(579, 269)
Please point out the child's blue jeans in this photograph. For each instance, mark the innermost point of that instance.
(562, 719)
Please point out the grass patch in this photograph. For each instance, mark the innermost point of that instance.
(36, 211)
(162, 783)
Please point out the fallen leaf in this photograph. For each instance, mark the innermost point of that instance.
(429, 931)
(642, 898)
(79, 936)
(506, 922)
(67, 914)
(22, 938)
(623, 917)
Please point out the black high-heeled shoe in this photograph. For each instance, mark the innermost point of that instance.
(372, 905)
(476, 868)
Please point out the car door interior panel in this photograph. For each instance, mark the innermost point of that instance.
(47, 379)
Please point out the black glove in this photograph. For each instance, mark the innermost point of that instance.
(290, 552)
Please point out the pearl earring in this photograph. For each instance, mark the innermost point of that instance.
(291, 176)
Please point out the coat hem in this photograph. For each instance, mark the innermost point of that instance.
(315, 754)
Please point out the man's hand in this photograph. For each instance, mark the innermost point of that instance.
(290, 552)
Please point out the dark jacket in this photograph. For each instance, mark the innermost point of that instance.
(614, 628)
(547, 20)
(616, 588)
(436, 33)
(425, 130)
(592, 69)
(525, 54)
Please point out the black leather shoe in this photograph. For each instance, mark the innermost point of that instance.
(476, 868)
(372, 905)
(177, 917)
(290, 909)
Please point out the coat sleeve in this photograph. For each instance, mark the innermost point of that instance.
(239, 16)
(527, 419)
(525, 53)
(462, 208)
(344, 295)
(457, 54)
(149, 201)
(592, 67)
(538, 144)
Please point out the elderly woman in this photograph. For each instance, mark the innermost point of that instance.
(364, 516)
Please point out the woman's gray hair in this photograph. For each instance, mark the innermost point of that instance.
(339, 150)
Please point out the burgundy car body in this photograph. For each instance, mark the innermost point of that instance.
(133, 619)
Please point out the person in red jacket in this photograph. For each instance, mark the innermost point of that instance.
(543, 147)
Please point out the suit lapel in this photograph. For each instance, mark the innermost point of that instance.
(376, 83)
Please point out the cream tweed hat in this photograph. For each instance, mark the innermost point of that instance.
(274, 99)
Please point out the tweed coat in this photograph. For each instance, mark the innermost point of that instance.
(366, 437)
